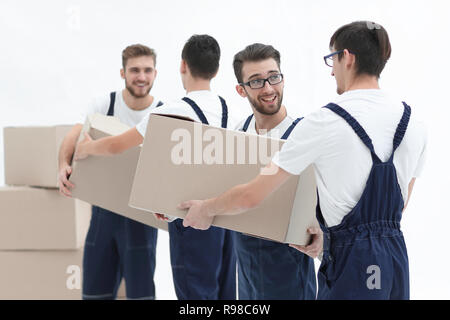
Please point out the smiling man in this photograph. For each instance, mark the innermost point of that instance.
(367, 148)
(116, 246)
(263, 263)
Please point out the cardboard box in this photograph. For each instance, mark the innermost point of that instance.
(38, 218)
(31, 155)
(55, 275)
(39, 275)
(106, 181)
(182, 160)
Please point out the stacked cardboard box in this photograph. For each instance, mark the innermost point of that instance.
(41, 232)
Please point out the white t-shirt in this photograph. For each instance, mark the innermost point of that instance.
(126, 115)
(342, 162)
(207, 101)
(276, 132)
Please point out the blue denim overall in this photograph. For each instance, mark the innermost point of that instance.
(203, 261)
(118, 247)
(269, 270)
(365, 255)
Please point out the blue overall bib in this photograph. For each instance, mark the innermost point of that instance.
(269, 270)
(203, 261)
(118, 247)
(365, 255)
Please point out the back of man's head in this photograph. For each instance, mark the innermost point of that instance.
(254, 53)
(202, 54)
(368, 41)
(135, 51)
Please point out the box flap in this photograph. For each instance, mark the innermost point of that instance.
(174, 116)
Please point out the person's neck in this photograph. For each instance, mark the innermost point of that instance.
(268, 122)
(136, 103)
(363, 82)
(197, 85)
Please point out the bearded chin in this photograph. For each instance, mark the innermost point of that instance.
(134, 94)
(261, 109)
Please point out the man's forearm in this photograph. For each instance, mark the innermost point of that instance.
(410, 189)
(248, 196)
(67, 147)
(110, 145)
(104, 147)
(234, 201)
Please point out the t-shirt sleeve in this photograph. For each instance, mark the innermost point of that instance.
(422, 159)
(306, 143)
(141, 127)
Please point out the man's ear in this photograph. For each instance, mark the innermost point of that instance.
(241, 91)
(349, 58)
(183, 67)
(122, 73)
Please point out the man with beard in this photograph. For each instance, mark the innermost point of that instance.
(268, 270)
(116, 246)
(203, 262)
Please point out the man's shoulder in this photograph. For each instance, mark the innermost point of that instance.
(175, 107)
(104, 99)
(241, 122)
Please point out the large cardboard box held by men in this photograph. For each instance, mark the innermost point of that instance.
(183, 160)
(41, 219)
(105, 181)
(31, 155)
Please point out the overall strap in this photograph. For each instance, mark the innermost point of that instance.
(401, 128)
(224, 113)
(356, 127)
(247, 123)
(291, 127)
(112, 100)
(159, 104)
(197, 110)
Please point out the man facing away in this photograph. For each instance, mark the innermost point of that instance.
(203, 262)
(117, 247)
(367, 148)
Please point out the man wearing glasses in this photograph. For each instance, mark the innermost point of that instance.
(268, 270)
(367, 148)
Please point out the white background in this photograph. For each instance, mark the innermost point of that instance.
(56, 55)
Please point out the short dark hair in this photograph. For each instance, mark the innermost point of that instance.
(202, 55)
(369, 42)
(254, 52)
(137, 50)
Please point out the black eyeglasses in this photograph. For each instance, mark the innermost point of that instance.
(329, 58)
(260, 83)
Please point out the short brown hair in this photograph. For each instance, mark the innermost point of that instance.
(254, 52)
(137, 50)
(368, 41)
